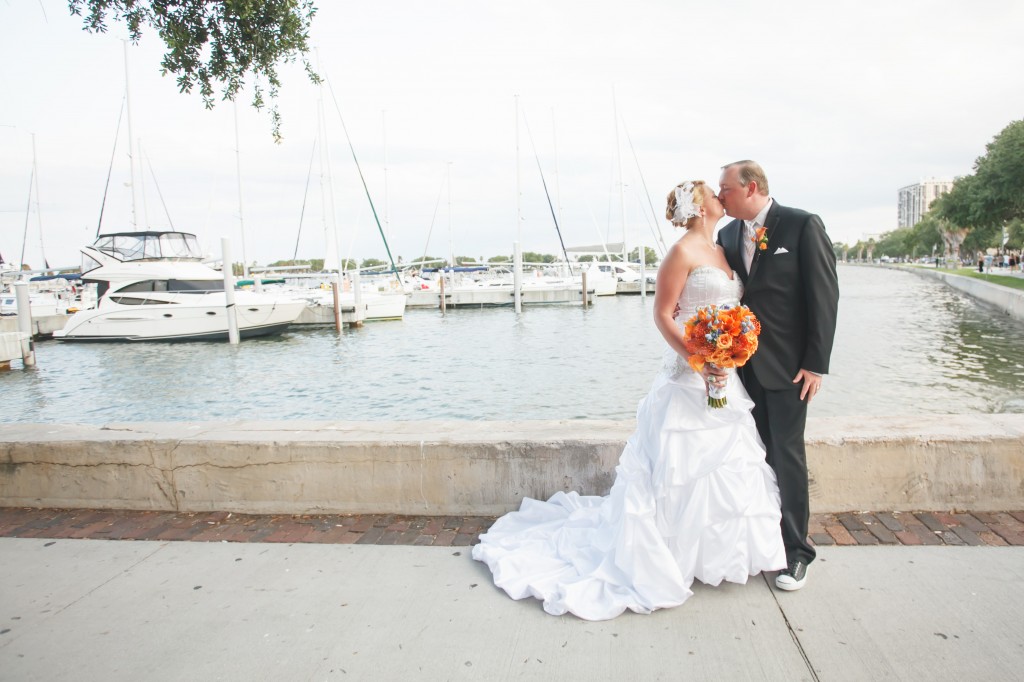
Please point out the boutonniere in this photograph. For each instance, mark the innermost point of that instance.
(760, 238)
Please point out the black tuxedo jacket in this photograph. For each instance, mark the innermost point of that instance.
(793, 289)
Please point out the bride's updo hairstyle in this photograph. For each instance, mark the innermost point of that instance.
(684, 202)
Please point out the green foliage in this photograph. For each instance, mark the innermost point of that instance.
(895, 244)
(430, 261)
(216, 42)
(925, 236)
(500, 259)
(373, 262)
(315, 264)
(993, 195)
(532, 257)
(1005, 280)
(650, 256)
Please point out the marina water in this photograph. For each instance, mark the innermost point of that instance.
(904, 345)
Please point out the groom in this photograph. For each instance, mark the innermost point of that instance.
(789, 276)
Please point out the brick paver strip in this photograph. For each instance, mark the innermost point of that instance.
(884, 535)
(890, 521)
(822, 539)
(841, 535)
(993, 539)
(851, 522)
(848, 528)
(970, 523)
(928, 537)
(930, 521)
(968, 536)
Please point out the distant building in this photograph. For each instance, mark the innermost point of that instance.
(916, 199)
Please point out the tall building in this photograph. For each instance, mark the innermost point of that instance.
(916, 199)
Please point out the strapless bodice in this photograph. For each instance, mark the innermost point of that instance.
(708, 285)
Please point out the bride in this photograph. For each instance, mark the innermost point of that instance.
(693, 496)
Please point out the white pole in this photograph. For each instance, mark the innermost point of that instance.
(39, 211)
(517, 276)
(622, 197)
(387, 222)
(643, 269)
(142, 184)
(517, 257)
(451, 235)
(238, 171)
(229, 290)
(28, 349)
(131, 154)
(357, 292)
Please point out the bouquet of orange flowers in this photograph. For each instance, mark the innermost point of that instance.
(723, 336)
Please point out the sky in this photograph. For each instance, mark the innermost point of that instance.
(842, 103)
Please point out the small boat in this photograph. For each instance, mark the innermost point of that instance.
(154, 286)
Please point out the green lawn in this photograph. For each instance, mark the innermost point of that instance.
(1005, 280)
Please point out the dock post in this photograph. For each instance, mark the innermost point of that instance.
(28, 347)
(585, 302)
(335, 286)
(357, 294)
(229, 290)
(440, 281)
(517, 276)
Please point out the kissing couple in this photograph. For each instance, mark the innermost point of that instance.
(700, 492)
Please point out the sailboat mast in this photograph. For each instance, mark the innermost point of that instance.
(39, 213)
(28, 215)
(517, 261)
(131, 150)
(451, 236)
(238, 172)
(622, 194)
(384, 132)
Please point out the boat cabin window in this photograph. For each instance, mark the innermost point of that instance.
(88, 263)
(131, 300)
(177, 285)
(132, 246)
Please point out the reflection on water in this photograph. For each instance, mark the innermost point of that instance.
(905, 345)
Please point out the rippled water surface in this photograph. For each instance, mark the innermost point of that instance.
(904, 345)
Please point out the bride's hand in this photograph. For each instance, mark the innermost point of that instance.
(713, 376)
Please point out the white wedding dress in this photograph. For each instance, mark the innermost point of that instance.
(692, 498)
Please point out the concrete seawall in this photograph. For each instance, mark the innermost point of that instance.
(474, 468)
(1007, 299)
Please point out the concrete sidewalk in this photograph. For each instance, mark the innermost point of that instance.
(109, 610)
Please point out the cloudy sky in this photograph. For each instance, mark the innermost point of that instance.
(841, 102)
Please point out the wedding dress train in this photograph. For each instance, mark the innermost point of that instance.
(692, 498)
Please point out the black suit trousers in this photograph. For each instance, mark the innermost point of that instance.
(780, 417)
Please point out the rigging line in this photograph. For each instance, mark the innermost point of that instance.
(39, 211)
(546, 193)
(658, 240)
(363, 179)
(158, 192)
(305, 195)
(113, 153)
(432, 219)
(28, 213)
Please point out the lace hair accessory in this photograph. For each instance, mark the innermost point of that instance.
(685, 207)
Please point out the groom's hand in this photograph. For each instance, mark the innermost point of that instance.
(812, 384)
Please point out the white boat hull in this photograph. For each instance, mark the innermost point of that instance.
(204, 317)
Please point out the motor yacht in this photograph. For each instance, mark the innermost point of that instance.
(154, 286)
